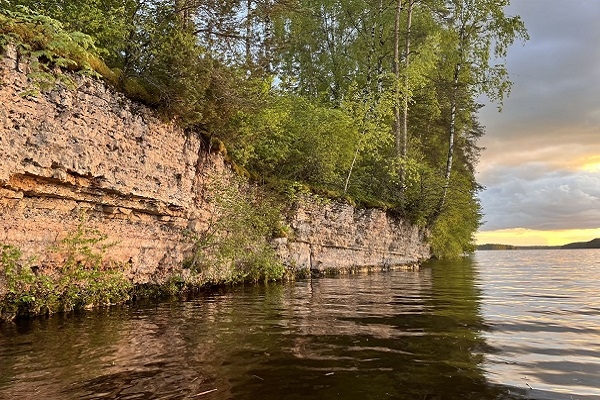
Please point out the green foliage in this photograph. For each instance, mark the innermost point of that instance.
(16, 278)
(296, 140)
(48, 47)
(108, 21)
(170, 70)
(452, 232)
(477, 32)
(235, 245)
(83, 248)
(84, 280)
(369, 175)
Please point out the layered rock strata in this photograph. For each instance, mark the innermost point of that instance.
(143, 182)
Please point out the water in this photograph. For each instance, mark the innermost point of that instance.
(501, 325)
(544, 310)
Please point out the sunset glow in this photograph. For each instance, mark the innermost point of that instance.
(541, 166)
(592, 166)
(530, 237)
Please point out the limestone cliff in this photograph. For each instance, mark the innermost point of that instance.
(143, 181)
(339, 237)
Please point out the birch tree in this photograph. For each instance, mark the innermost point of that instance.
(478, 36)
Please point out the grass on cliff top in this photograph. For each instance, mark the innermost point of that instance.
(50, 51)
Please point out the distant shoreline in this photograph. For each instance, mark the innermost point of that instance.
(592, 244)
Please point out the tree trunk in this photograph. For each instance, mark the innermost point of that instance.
(351, 169)
(248, 33)
(451, 133)
(406, 83)
(381, 56)
(370, 55)
(397, 133)
(184, 13)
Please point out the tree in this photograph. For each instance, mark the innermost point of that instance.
(477, 31)
(376, 100)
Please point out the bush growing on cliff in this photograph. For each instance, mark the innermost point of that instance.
(48, 48)
(82, 281)
(16, 280)
(235, 244)
(86, 279)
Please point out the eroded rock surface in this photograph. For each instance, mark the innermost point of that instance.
(142, 181)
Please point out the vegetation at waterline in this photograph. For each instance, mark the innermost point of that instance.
(375, 102)
(83, 280)
(233, 247)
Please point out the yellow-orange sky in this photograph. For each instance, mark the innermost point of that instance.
(530, 237)
(541, 166)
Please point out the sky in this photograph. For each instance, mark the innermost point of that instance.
(541, 166)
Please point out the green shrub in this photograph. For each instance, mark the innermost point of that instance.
(84, 280)
(49, 48)
(235, 245)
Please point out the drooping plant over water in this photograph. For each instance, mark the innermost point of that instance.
(373, 101)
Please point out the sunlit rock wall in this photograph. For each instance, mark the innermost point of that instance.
(337, 237)
(143, 182)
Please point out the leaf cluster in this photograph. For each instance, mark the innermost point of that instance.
(48, 48)
(235, 245)
(84, 280)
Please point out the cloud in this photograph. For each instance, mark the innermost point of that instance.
(542, 153)
(531, 196)
(555, 74)
(571, 152)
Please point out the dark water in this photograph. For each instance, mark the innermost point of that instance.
(501, 325)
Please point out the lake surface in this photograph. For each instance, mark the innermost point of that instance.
(499, 325)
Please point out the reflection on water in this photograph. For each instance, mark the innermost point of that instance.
(470, 330)
(544, 308)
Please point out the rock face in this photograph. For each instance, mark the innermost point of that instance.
(338, 237)
(143, 182)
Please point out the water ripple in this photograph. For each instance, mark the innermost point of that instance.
(544, 309)
(501, 326)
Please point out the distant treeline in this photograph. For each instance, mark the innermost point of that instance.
(592, 244)
(496, 246)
